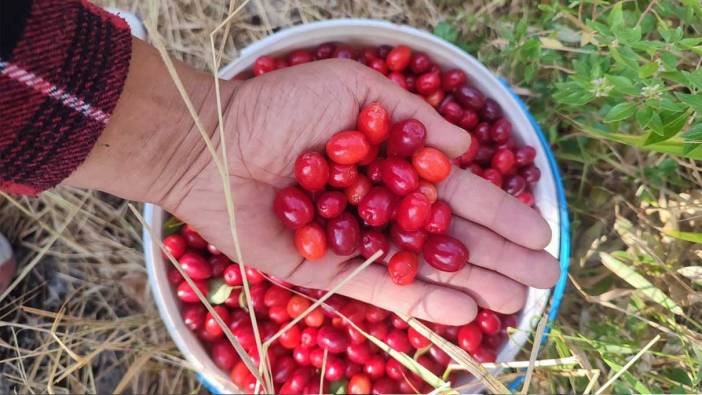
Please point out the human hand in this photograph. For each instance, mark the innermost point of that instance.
(270, 120)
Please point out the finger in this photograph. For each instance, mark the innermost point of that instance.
(373, 285)
(441, 134)
(535, 268)
(480, 201)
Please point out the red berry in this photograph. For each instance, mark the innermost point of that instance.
(258, 292)
(276, 296)
(240, 375)
(482, 133)
(355, 335)
(488, 322)
(509, 144)
(503, 160)
(311, 241)
(278, 314)
(281, 63)
(378, 330)
(484, 355)
(374, 171)
(194, 316)
(403, 267)
(399, 176)
(290, 338)
(431, 164)
(332, 339)
(293, 207)
(348, 147)
(399, 79)
(239, 319)
(375, 366)
(377, 206)
(493, 176)
(358, 190)
(410, 79)
(439, 355)
(264, 64)
(359, 383)
(476, 169)
(383, 51)
(352, 369)
(413, 211)
(223, 354)
(406, 137)
(494, 341)
(283, 369)
(297, 381)
(469, 120)
(315, 318)
(301, 356)
(297, 305)
(411, 241)
(445, 253)
(308, 338)
(429, 190)
(398, 58)
(311, 171)
(218, 263)
(469, 337)
(343, 234)
(416, 339)
(470, 153)
(469, 97)
(371, 157)
(514, 185)
(232, 275)
(254, 276)
(452, 79)
(397, 340)
(531, 174)
(245, 336)
(186, 294)
(435, 98)
(450, 110)
(335, 369)
(428, 83)
(501, 131)
(395, 370)
(372, 241)
(379, 66)
(192, 238)
(331, 204)
(173, 275)
(420, 63)
(384, 385)
(523, 156)
(430, 364)
(491, 111)
(374, 122)
(359, 353)
(195, 266)
(299, 56)
(527, 198)
(342, 176)
(439, 218)
(175, 244)
(324, 51)
(211, 325)
(368, 55)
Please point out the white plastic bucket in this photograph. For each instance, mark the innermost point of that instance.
(548, 192)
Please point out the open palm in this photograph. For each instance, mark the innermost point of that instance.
(271, 119)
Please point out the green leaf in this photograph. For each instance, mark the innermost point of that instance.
(219, 291)
(671, 126)
(639, 282)
(622, 85)
(171, 226)
(693, 101)
(620, 112)
(632, 381)
(616, 16)
(686, 236)
(337, 387)
(689, 147)
(695, 78)
(693, 134)
(648, 70)
(446, 31)
(643, 116)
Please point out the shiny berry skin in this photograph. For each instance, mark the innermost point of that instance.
(342, 176)
(240, 375)
(211, 325)
(451, 111)
(315, 318)
(192, 238)
(375, 314)
(299, 56)
(311, 171)
(397, 340)
(282, 369)
(476, 169)
(419, 63)
(399, 176)
(186, 294)
(176, 245)
(253, 276)
(429, 190)
(531, 174)
(297, 305)
(239, 319)
(311, 241)
(358, 190)
(374, 171)
(223, 354)
(348, 147)
(335, 369)
(514, 185)
(355, 335)
(195, 266)
(431, 164)
(278, 314)
(264, 64)
(351, 370)
(290, 338)
(430, 364)
(359, 383)
(368, 55)
(488, 321)
(331, 204)
(218, 263)
(194, 316)
(395, 370)
(469, 337)
(411, 241)
(469, 97)
(343, 234)
(173, 275)
(372, 241)
(359, 353)
(399, 79)
(258, 292)
(501, 131)
(413, 211)
(308, 338)
(406, 137)
(470, 153)
(445, 253)
(332, 339)
(293, 207)
(354, 310)
(378, 330)
(491, 111)
(494, 341)
(509, 144)
(527, 198)
(324, 51)
(374, 122)
(439, 218)
(276, 296)
(503, 161)
(375, 366)
(297, 381)
(435, 98)
(493, 176)
(439, 355)
(232, 275)
(482, 133)
(301, 356)
(343, 52)
(484, 355)
(403, 267)
(523, 156)
(383, 51)
(379, 66)
(384, 385)
(452, 79)
(398, 58)
(377, 206)
(316, 357)
(469, 120)
(416, 339)
(428, 83)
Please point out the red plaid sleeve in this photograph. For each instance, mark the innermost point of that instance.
(61, 73)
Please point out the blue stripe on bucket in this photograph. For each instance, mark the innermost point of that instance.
(211, 388)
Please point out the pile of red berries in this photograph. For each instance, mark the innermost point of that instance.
(354, 364)
(389, 175)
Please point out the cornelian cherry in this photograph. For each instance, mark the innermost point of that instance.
(348, 147)
(377, 206)
(452, 79)
(399, 176)
(406, 137)
(359, 383)
(431, 164)
(403, 267)
(428, 83)
(374, 122)
(311, 171)
(331, 204)
(343, 234)
(372, 241)
(503, 160)
(469, 337)
(311, 241)
(263, 64)
(439, 218)
(398, 58)
(488, 322)
(293, 207)
(175, 244)
(413, 211)
(342, 176)
(445, 253)
(429, 190)
(408, 240)
(358, 190)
